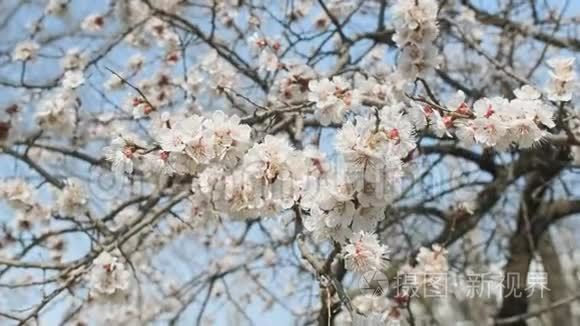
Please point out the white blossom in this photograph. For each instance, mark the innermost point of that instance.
(230, 138)
(364, 253)
(333, 97)
(25, 51)
(73, 79)
(136, 62)
(74, 59)
(232, 144)
(72, 199)
(17, 193)
(108, 276)
(268, 61)
(415, 30)
(93, 23)
(113, 83)
(562, 82)
(432, 260)
(121, 153)
(56, 7)
(56, 112)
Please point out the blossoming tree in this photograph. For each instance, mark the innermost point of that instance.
(252, 161)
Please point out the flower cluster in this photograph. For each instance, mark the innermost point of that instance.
(415, 30)
(562, 81)
(218, 73)
(354, 197)
(17, 193)
(199, 141)
(330, 126)
(499, 123)
(56, 112)
(386, 88)
(268, 50)
(232, 177)
(108, 276)
(20, 196)
(292, 86)
(72, 199)
(429, 271)
(432, 260)
(267, 181)
(333, 98)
